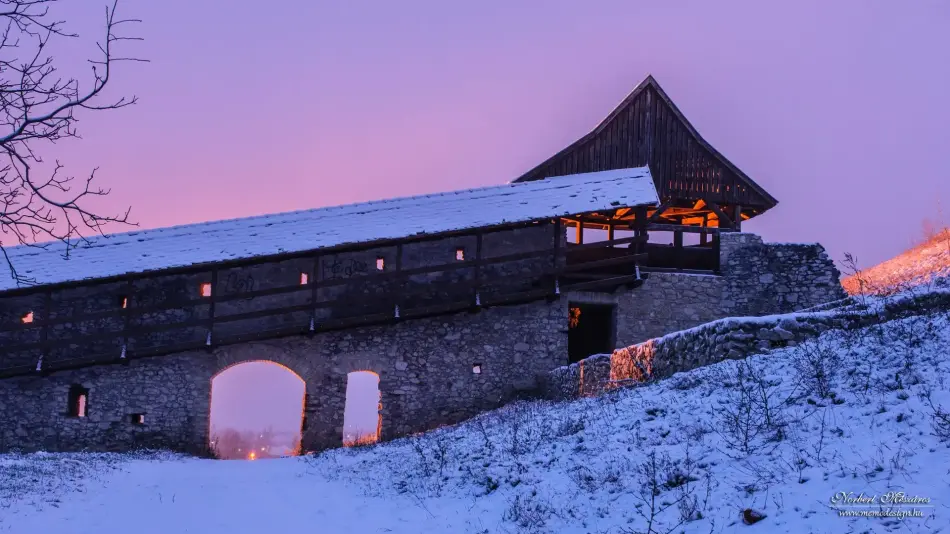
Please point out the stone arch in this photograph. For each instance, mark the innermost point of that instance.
(360, 361)
(226, 358)
(230, 356)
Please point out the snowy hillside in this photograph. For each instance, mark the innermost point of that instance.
(778, 435)
(920, 265)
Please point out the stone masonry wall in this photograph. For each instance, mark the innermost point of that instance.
(755, 279)
(731, 338)
(425, 368)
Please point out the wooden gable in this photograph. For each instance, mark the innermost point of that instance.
(647, 129)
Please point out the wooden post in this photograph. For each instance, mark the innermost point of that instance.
(610, 233)
(126, 320)
(678, 249)
(557, 253)
(44, 332)
(702, 236)
(398, 268)
(313, 294)
(478, 268)
(717, 253)
(214, 293)
(737, 218)
(579, 232)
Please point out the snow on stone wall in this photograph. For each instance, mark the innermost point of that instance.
(730, 338)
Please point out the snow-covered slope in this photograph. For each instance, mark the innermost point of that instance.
(922, 264)
(780, 434)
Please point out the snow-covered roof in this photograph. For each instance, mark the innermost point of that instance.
(300, 231)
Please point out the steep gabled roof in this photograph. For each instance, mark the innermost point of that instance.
(657, 141)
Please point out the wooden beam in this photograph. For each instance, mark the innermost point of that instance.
(724, 219)
(737, 217)
(687, 229)
(656, 214)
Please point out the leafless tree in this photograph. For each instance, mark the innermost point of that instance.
(38, 106)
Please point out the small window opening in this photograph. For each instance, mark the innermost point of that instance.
(206, 289)
(78, 400)
(28, 318)
(477, 368)
(304, 279)
(380, 264)
(138, 419)
(460, 254)
(123, 301)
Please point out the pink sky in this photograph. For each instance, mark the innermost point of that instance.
(838, 109)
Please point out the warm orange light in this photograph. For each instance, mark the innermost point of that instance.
(574, 318)
(252, 455)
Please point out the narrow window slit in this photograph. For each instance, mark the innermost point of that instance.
(380, 263)
(138, 419)
(460, 254)
(206, 289)
(28, 318)
(78, 401)
(304, 279)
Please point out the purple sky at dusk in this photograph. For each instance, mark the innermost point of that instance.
(838, 109)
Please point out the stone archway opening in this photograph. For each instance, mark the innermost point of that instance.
(257, 411)
(362, 420)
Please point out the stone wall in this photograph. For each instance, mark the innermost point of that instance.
(731, 338)
(425, 368)
(754, 279)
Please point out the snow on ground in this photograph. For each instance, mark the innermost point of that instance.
(780, 433)
(917, 266)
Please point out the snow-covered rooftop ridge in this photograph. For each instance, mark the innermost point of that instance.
(300, 231)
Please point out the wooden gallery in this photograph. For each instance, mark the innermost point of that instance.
(458, 301)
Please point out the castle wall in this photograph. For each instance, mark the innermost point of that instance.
(425, 368)
(755, 279)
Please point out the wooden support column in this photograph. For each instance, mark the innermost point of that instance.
(717, 252)
(610, 234)
(314, 278)
(126, 320)
(478, 269)
(557, 254)
(214, 292)
(398, 269)
(737, 218)
(579, 233)
(702, 236)
(678, 249)
(44, 331)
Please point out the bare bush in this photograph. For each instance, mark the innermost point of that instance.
(818, 365)
(664, 485)
(529, 511)
(939, 418)
(754, 416)
(529, 427)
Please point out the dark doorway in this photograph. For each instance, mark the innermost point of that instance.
(590, 330)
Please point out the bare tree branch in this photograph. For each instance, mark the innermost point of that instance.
(38, 105)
